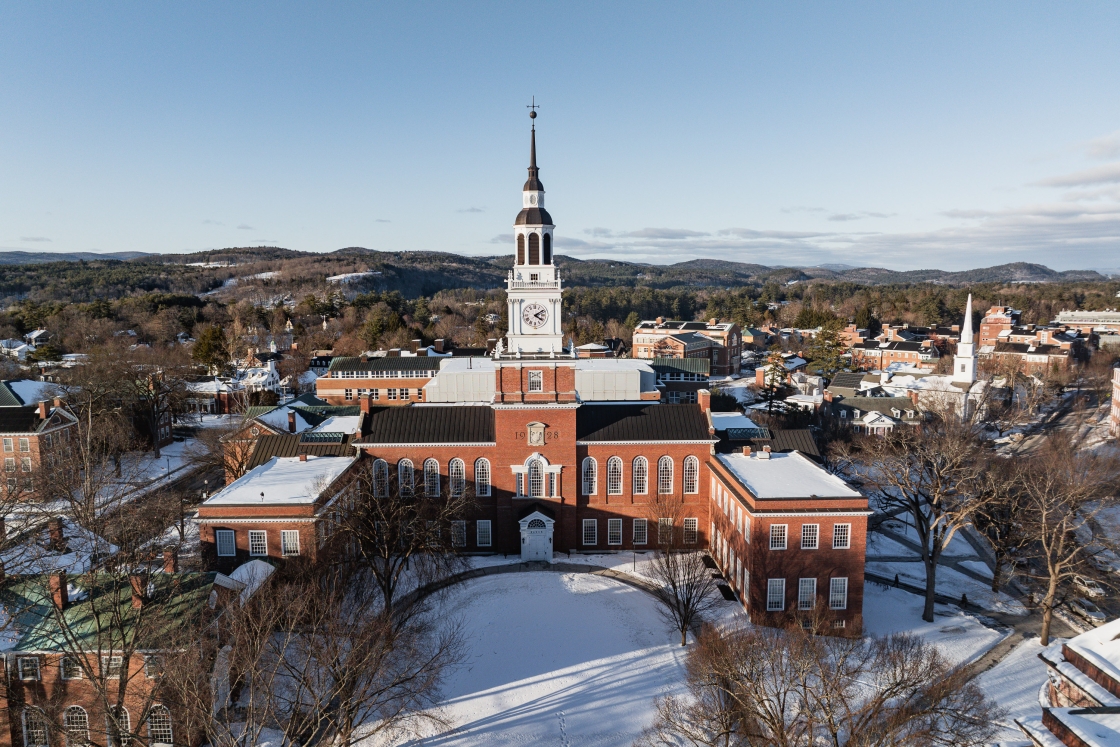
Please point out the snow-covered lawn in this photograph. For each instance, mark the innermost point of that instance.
(1014, 684)
(960, 637)
(958, 545)
(952, 584)
(143, 471)
(556, 658)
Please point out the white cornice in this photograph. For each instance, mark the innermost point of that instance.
(639, 443)
(536, 406)
(253, 520)
(480, 444)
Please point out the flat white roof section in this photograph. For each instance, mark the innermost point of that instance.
(785, 476)
(721, 421)
(283, 481)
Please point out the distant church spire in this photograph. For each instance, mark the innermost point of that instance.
(966, 328)
(964, 362)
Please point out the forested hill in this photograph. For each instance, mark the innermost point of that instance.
(267, 274)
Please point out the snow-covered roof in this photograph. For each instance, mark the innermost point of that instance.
(1093, 726)
(251, 575)
(721, 421)
(337, 424)
(278, 419)
(283, 480)
(1100, 648)
(32, 392)
(785, 476)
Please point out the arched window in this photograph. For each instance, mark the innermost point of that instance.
(614, 476)
(405, 477)
(36, 730)
(520, 248)
(380, 479)
(536, 478)
(159, 725)
(456, 477)
(534, 249)
(547, 249)
(589, 476)
(119, 727)
(75, 722)
(641, 473)
(482, 477)
(431, 478)
(665, 475)
(691, 475)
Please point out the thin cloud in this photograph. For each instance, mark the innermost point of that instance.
(841, 217)
(1107, 174)
(599, 232)
(211, 222)
(383, 220)
(802, 209)
(502, 238)
(472, 210)
(244, 227)
(665, 233)
(34, 239)
(1104, 147)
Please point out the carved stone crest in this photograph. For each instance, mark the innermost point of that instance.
(536, 433)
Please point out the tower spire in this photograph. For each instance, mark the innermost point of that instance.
(966, 328)
(534, 183)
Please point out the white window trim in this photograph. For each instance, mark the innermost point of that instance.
(847, 545)
(784, 537)
(833, 593)
(285, 536)
(691, 531)
(258, 534)
(108, 662)
(644, 524)
(483, 526)
(775, 585)
(482, 487)
(29, 660)
(816, 532)
(593, 525)
(589, 476)
(458, 533)
(806, 593)
(229, 535)
(614, 531)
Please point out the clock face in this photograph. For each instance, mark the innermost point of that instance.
(534, 315)
(532, 199)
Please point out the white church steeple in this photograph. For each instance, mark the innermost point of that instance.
(964, 363)
(533, 287)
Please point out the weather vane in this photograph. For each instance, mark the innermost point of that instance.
(532, 108)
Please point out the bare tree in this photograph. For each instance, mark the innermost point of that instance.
(1000, 487)
(927, 474)
(682, 583)
(765, 687)
(1064, 490)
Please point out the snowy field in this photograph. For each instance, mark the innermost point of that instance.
(952, 584)
(1014, 684)
(556, 658)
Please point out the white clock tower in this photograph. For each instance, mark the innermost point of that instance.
(533, 287)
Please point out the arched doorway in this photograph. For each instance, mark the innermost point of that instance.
(536, 537)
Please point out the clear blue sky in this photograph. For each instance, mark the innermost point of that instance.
(894, 134)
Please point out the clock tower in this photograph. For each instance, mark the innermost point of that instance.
(533, 287)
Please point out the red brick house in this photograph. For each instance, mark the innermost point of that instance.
(392, 380)
(34, 436)
(720, 342)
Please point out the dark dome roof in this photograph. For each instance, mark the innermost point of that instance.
(533, 217)
(533, 184)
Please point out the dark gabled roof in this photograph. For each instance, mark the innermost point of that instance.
(687, 365)
(9, 398)
(791, 439)
(1022, 347)
(23, 419)
(309, 400)
(294, 444)
(411, 424)
(874, 404)
(644, 422)
(410, 363)
(846, 380)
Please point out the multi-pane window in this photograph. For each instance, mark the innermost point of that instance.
(482, 477)
(8, 444)
(9, 464)
(258, 542)
(664, 531)
(482, 533)
(348, 393)
(536, 381)
(456, 477)
(111, 666)
(665, 475)
(589, 476)
(809, 534)
(778, 537)
(380, 478)
(641, 531)
(159, 725)
(590, 532)
(536, 478)
(841, 536)
(458, 533)
(775, 594)
(153, 667)
(224, 540)
(25, 445)
(691, 475)
(614, 531)
(28, 667)
(806, 593)
(25, 464)
(289, 542)
(120, 727)
(405, 477)
(36, 730)
(76, 725)
(641, 474)
(431, 478)
(746, 526)
(614, 476)
(838, 594)
(391, 393)
(691, 530)
(71, 668)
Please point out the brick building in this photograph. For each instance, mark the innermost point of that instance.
(387, 381)
(876, 355)
(34, 435)
(720, 342)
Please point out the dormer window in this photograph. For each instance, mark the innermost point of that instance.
(855, 413)
(896, 412)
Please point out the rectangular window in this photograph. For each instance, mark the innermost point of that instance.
(258, 542)
(482, 533)
(224, 539)
(459, 533)
(841, 536)
(24, 445)
(112, 666)
(391, 393)
(362, 393)
(806, 593)
(153, 667)
(746, 527)
(348, 393)
(778, 537)
(28, 667)
(775, 595)
(9, 464)
(552, 483)
(590, 532)
(691, 530)
(7, 444)
(47, 440)
(289, 542)
(25, 464)
(809, 534)
(640, 531)
(536, 381)
(838, 594)
(404, 394)
(375, 394)
(71, 668)
(664, 531)
(12, 485)
(614, 531)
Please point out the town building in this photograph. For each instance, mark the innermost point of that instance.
(876, 355)
(1086, 322)
(394, 380)
(1033, 349)
(35, 433)
(719, 342)
(680, 379)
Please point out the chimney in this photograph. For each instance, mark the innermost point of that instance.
(365, 403)
(57, 402)
(58, 589)
(136, 581)
(414, 346)
(746, 451)
(57, 536)
(704, 399)
(291, 421)
(170, 560)
(303, 457)
(712, 322)
(490, 345)
(394, 353)
(766, 449)
(913, 397)
(660, 320)
(438, 345)
(363, 358)
(295, 345)
(43, 410)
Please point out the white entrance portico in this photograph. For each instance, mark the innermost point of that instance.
(536, 537)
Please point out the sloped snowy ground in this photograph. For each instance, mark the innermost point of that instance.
(569, 659)
(1014, 684)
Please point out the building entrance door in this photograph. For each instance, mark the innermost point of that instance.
(536, 540)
